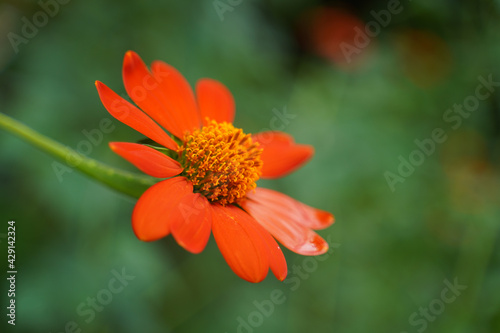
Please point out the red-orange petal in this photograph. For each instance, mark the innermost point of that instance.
(299, 212)
(133, 117)
(192, 222)
(147, 159)
(284, 225)
(281, 155)
(152, 213)
(177, 95)
(215, 101)
(277, 261)
(164, 96)
(240, 242)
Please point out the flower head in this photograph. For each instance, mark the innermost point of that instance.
(208, 171)
(221, 161)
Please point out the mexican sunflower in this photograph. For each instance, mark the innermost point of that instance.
(208, 171)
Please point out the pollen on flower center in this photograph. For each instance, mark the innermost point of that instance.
(221, 161)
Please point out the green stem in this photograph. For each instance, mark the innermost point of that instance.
(126, 182)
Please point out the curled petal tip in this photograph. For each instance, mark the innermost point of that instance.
(318, 245)
(112, 146)
(327, 217)
(281, 278)
(100, 87)
(315, 246)
(131, 60)
(130, 54)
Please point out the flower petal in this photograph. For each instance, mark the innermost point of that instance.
(192, 222)
(152, 213)
(240, 242)
(165, 95)
(133, 117)
(277, 260)
(300, 213)
(284, 224)
(215, 101)
(281, 155)
(147, 159)
(178, 97)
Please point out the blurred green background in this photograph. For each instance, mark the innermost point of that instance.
(362, 99)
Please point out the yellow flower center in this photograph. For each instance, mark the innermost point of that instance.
(221, 161)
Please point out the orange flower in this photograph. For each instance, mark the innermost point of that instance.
(210, 169)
